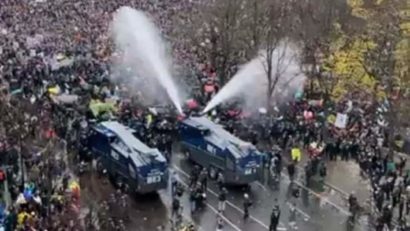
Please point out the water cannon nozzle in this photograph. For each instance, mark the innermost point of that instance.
(181, 117)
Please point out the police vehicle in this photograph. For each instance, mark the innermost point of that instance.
(209, 145)
(126, 159)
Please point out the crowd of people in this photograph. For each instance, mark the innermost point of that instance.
(51, 49)
(54, 62)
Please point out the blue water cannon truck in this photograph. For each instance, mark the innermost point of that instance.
(209, 145)
(126, 159)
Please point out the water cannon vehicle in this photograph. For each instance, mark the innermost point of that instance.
(209, 145)
(126, 159)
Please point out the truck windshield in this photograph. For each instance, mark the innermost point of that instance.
(152, 156)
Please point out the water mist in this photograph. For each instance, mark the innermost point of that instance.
(250, 83)
(141, 47)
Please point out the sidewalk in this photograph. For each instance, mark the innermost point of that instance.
(343, 177)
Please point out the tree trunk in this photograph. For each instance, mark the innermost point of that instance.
(271, 81)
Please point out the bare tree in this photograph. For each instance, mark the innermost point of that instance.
(216, 33)
(276, 55)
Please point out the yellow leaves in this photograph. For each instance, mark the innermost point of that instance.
(379, 2)
(347, 54)
(402, 50)
(405, 13)
(358, 10)
(338, 38)
(362, 13)
(347, 64)
(405, 27)
(355, 3)
(402, 55)
(349, 60)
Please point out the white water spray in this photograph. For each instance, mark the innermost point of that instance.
(136, 36)
(238, 83)
(251, 81)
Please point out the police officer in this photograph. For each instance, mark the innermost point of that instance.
(176, 209)
(387, 216)
(219, 224)
(222, 200)
(220, 180)
(246, 204)
(353, 204)
(291, 170)
(203, 179)
(274, 218)
(193, 199)
(194, 176)
(308, 172)
(174, 183)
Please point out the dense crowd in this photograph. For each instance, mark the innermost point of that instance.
(51, 48)
(54, 62)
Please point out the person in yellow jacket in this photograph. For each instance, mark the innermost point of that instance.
(187, 227)
(21, 218)
(149, 118)
(296, 154)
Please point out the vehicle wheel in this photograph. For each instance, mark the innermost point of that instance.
(188, 155)
(212, 172)
(99, 166)
(126, 188)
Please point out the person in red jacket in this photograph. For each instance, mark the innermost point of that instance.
(2, 177)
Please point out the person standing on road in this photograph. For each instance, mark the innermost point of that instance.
(296, 154)
(274, 218)
(401, 207)
(291, 170)
(2, 177)
(279, 162)
(220, 180)
(222, 200)
(203, 179)
(200, 198)
(322, 169)
(246, 204)
(176, 210)
(193, 199)
(194, 176)
(219, 224)
(292, 216)
(387, 216)
(353, 205)
(308, 172)
(174, 183)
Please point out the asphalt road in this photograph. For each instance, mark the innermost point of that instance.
(314, 211)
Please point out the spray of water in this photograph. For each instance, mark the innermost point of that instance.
(143, 52)
(245, 78)
(250, 84)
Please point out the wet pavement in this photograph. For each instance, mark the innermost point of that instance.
(314, 211)
(345, 175)
(343, 178)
